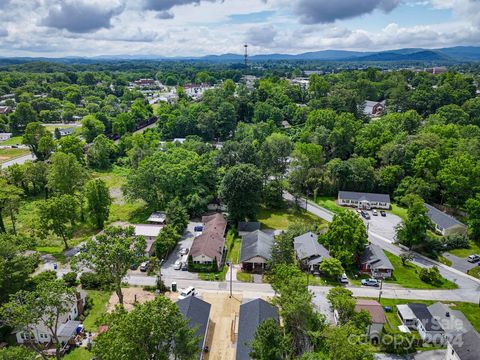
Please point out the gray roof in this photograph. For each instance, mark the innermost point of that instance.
(254, 244)
(442, 219)
(248, 226)
(469, 346)
(376, 258)
(197, 312)
(359, 196)
(252, 314)
(423, 314)
(307, 247)
(452, 321)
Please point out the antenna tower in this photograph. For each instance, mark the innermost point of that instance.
(246, 54)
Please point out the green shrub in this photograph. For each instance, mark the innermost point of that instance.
(70, 279)
(91, 281)
(431, 275)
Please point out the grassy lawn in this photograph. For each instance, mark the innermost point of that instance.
(79, 354)
(463, 253)
(280, 219)
(399, 211)
(14, 140)
(114, 177)
(475, 272)
(244, 277)
(444, 261)
(99, 301)
(9, 154)
(328, 202)
(408, 276)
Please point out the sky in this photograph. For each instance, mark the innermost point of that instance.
(57, 28)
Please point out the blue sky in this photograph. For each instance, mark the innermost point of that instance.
(198, 27)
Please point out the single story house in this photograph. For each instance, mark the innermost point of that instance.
(374, 331)
(374, 262)
(4, 110)
(197, 313)
(150, 233)
(364, 200)
(453, 322)
(465, 348)
(157, 217)
(310, 253)
(68, 327)
(5, 136)
(444, 224)
(210, 245)
(256, 251)
(66, 131)
(246, 227)
(427, 326)
(374, 108)
(252, 314)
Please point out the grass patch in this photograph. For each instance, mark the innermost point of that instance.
(444, 261)
(475, 272)
(97, 302)
(471, 312)
(134, 212)
(55, 251)
(14, 140)
(399, 211)
(9, 154)
(463, 253)
(408, 276)
(329, 203)
(115, 177)
(79, 354)
(280, 219)
(244, 277)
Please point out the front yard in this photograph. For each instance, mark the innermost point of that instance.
(281, 219)
(463, 253)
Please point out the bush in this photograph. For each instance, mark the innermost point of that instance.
(455, 241)
(91, 281)
(70, 279)
(403, 343)
(431, 275)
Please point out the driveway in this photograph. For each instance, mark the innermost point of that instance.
(459, 263)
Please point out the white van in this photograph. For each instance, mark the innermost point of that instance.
(190, 291)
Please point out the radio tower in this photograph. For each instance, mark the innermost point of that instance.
(246, 54)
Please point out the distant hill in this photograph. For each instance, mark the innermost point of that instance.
(423, 55)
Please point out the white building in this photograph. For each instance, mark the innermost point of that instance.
(364, 200)
(5, 136)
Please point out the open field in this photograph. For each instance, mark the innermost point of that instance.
(280, 219)
(9, 154)
(328, 202)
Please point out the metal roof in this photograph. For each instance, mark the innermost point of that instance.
(360, 196)
(252, 314)
(257, 243)
(442, 219)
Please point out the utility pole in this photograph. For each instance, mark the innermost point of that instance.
(380, 292)
(246, 54)
(230, 265)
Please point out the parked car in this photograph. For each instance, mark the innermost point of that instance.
(144, 266)
(183, 251)
(134, 266)
(374, 212)
(190, 291)
(370, 282)
(473, 258)
(366, 215)
(184, 266)
(177, 265)
(383, 213)
(343, 279)
(198, 228)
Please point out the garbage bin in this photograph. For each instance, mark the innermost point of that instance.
(174, 286)
(55, 266)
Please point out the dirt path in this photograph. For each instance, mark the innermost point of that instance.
(223, 313)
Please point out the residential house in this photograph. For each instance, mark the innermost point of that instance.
(364, 200)
(310, 253)
(157, 217)
(5, 136)
(453, 322)
(4, 110)
(256, 251)
(66, 131)
(374, 108)
(423, 321)
(197, 313)
(374, 331)
(407, 316)
(150, 233)
(252, 314)
(245, 227)
(210, 245)
(374, 262)
(68, 327)
(445, 224)
(467, 347)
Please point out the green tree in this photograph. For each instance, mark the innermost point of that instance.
(346, 237)
(241, 189)
(226, 120)
(154, 330)
(23, 115)
(341, 299)
(17, 353)
(112, 253)
(344, 343)
(45, 306)
(176, 215)
(331, 267)
(39, 140)
(166, 241)
(91, 128)
(275, 152)
(98, 201)
(282, 250)
(10, 197)
(269, 342)
(101, 153)
(472, 206)
(413, 231)
(72, 145)
(65, 174)
(58, 215)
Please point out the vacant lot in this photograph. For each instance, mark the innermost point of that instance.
(9, 154)
(131, 296)
(280, 219)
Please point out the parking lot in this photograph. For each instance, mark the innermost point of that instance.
(383, 226)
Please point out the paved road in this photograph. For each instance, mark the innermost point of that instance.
(19, 160)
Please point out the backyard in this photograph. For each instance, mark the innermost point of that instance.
(97, 301)
(14, 140)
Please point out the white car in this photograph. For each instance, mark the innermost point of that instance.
(343, 279)
(190, 291)
(144, 266)
(184, 251)
(374, 212)
(177, 265)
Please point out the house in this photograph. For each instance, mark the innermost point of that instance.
(252, 314)
(68, 327)
(422, 320)
(374, 108)
(245, 228)
(466, 347)
(256, 251)
(5, 136)
(197, 313)
(407, 316)
(150, 233)
(157, 217)
(444, 223)
(310, 253)
(4, 110)
(364, 200)
(374, 262)
(66, 131)
(210, 245)
(453, 322)
(374, 331)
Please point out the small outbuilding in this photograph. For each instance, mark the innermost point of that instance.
(157, 217)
